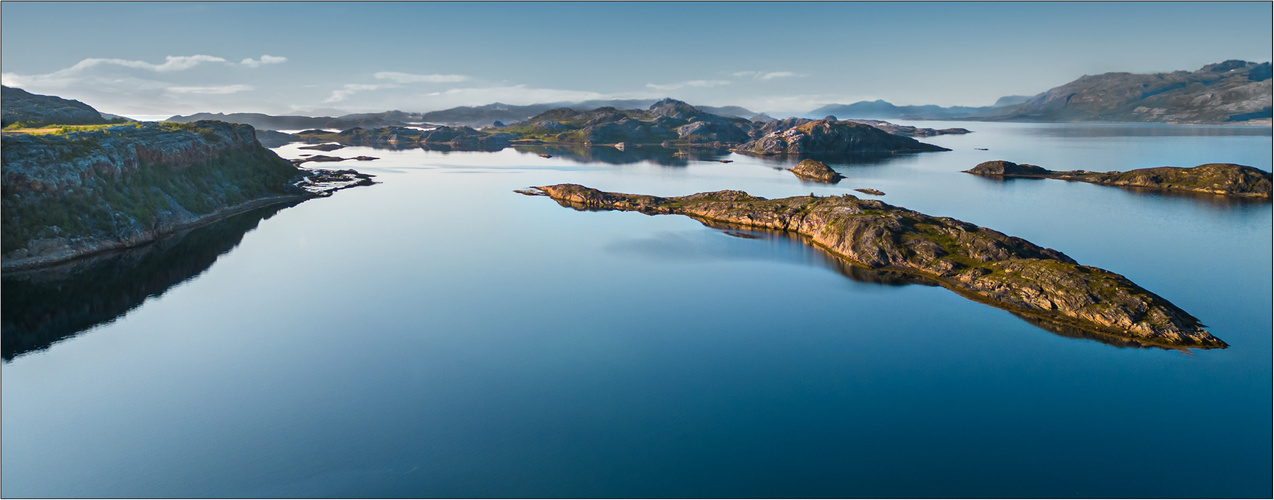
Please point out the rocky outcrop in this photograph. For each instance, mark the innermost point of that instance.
(830, 136)
(70, 195)
(1225, 179)
(33, 110)
(817, 171)
(1003, 168)
(976, 262)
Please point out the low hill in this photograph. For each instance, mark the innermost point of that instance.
(33, 110)
(883, 110)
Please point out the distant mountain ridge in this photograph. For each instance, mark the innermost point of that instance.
(1228, 92)
(883, 110)
(469, 116)
(263, 121)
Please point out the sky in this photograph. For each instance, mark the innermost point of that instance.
(152, 59)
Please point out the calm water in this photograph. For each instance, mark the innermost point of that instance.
(438, 335)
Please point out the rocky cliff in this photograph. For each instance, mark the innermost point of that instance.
(976, 262)
(1225, 179)
(79, 193)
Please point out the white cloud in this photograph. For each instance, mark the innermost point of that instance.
(171, 63)
(265, 59)
(517, 94)
(350, 89)
(84, 71)
(764, 75)
(217, 89)
(690, 83)
(410, 78)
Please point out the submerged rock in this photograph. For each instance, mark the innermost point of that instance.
(976, 262)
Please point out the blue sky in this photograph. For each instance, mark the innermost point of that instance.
(155, 58)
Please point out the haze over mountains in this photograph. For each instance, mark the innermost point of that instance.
(1226, 92)
(1233, 92)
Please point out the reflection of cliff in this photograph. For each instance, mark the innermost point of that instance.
(45, 306)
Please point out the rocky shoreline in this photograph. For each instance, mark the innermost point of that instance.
(978, 263)
(1226, 179)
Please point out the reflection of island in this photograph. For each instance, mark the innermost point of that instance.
(978, 263)
(669, 157)
(45, 306)
(822, 257)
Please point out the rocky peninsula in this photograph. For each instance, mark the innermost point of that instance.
(1225, 179)
(73, 194)
(978, 263)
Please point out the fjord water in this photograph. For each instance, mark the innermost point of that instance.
(437, 335)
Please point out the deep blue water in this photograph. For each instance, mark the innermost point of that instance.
(438, 335)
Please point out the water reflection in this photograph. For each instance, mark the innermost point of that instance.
(668, 157)
(45, 306)
(1141, 130)
(786, 246)
(837, 159)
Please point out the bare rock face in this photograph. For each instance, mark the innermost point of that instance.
(976, 262)
(817, 171)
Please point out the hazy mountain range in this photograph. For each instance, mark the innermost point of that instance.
(1226, 92)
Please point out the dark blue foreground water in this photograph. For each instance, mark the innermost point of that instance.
(438, 335)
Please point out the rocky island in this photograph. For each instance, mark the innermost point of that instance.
(830, 136)
(817, 171)
(1225, 179)
(978, 263)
